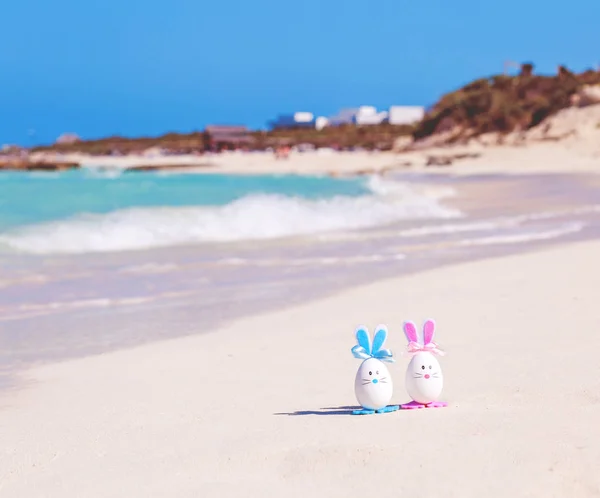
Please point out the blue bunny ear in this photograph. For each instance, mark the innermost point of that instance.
(379, 339)
(363, 339)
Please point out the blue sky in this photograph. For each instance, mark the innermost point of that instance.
(134, 67)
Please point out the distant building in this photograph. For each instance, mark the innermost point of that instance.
(296, 120)
(364, 115)
(68, 138)
(360, 116)
(224, 137)
(321, 122)
(344, 117)
(405, 115)
(368, 115)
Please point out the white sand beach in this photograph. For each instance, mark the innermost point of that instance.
(491, 159)
(252, 408)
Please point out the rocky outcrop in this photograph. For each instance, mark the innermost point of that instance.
(161, 167)
(21, 164)
(448, 159)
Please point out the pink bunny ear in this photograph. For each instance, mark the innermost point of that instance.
(411, 332)
(428, 330)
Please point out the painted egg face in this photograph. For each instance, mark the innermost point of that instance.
(373, 384)
(424, 379)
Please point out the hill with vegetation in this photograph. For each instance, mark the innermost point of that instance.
(502, 104)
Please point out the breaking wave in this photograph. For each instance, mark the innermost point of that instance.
(253, 217)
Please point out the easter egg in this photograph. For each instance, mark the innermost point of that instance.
(424, 379)
(373, 384)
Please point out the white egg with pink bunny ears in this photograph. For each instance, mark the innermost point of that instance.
(373, 384)
(424, 379)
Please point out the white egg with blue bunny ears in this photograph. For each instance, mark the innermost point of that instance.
(373, 385)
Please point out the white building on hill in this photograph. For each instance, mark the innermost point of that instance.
(295, 120)
(405, 115)
(363, 115)
(321, 122)
(345, 116)
(360, 116)
(368, 115)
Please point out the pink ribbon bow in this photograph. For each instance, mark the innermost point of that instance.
(431, 347)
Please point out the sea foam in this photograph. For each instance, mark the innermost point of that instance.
(252, 217)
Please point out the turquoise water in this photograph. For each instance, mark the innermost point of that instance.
(31, 198)
(89, 211)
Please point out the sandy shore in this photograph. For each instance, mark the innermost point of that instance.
(561, 157)
(257, 407)
(479, 159)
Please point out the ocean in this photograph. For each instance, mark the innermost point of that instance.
(96, 260)
(94, 211)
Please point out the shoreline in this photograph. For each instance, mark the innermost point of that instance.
(157, 415)
(548, 157)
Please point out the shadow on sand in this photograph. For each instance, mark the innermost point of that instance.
(339, 410)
